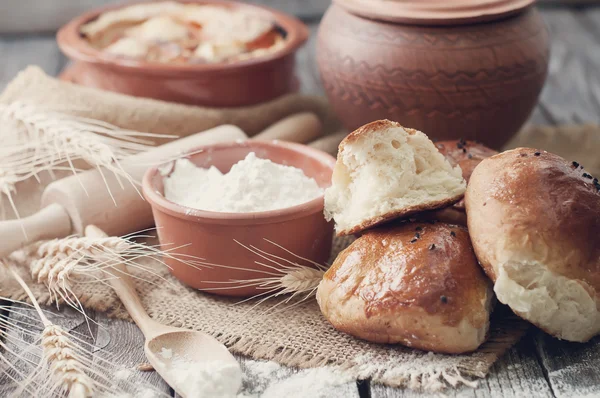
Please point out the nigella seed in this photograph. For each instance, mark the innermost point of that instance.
(464, 150)
(452, 233)
(575, 164)
(417, 235)
(537, 154)
(586, 175)
(432, 246)
(470, 156)
(413, 241)
(444, 299)
(418, 229)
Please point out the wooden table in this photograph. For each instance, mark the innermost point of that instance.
(539, 365)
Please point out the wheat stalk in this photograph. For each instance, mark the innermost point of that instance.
(59, 354)
(296, 278)
(40, 139)
(61, 263)
(58, 363)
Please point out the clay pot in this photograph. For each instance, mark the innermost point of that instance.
(240, 83)
(474, 72)
(217, 238)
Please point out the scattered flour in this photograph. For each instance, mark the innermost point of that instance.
(252, 185)
(166, 353)
(140, 393)
(123, 374)
(314, 383)
(270, 380)
(264, 379)
(262, 369)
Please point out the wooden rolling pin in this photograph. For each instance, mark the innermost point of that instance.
(67, 207)
(329, 143)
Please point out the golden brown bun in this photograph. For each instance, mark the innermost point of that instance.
(385, 171)
(417, 284)
(457, 151)
(534, 219)
(448, 215)
(467, 155)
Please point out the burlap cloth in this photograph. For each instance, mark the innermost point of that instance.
(298, 336)
(36, 88)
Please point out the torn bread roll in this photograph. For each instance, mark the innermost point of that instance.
(385, 171)
(534, 219)
(467, 155)
(416, 284)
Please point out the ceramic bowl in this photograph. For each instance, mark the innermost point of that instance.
(240, 83)
(225, 238)
(452, 69)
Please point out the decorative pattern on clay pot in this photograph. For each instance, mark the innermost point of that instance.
(476, 81)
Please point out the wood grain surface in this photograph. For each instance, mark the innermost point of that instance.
(539, 366)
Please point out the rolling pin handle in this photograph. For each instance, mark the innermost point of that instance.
(49, 223)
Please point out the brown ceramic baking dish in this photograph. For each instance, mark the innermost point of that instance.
(238, 83)
(217, 238)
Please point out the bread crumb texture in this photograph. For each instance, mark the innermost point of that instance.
(385, 171)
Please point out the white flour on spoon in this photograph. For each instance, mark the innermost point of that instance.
(203, 379)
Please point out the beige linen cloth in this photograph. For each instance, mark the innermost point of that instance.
(297, 336)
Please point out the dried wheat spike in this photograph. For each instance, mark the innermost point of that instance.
(57, 363)
(57, 256)
(301, 280)
(83, 245)
(64, 363)
(41, 139)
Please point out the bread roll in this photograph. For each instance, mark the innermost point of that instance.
(384, 171)
(534, 219)
(467, 155)
(416, 284)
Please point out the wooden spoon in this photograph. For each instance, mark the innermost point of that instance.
(183, 343)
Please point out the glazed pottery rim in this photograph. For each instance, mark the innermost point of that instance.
(436, 12)
(158, 201)
(76, 47)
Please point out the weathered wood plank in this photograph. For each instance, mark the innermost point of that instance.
(306, 65)
(122, 343)
(18, 339)
(304, 9)
(17, 53)
(116, 341)
(49, 15)
(516, 375)
(572, 91)
(571, 368)
(262, 378)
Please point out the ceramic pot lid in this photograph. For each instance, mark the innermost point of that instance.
(434, 12)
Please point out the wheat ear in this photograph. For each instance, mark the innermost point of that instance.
(294, 278)
(41, 139)
(62, 263)
(59, 353)
(58, 363)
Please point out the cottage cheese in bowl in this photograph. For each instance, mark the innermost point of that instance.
(173, 32)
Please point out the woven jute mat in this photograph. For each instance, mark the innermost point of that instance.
(296, 335)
